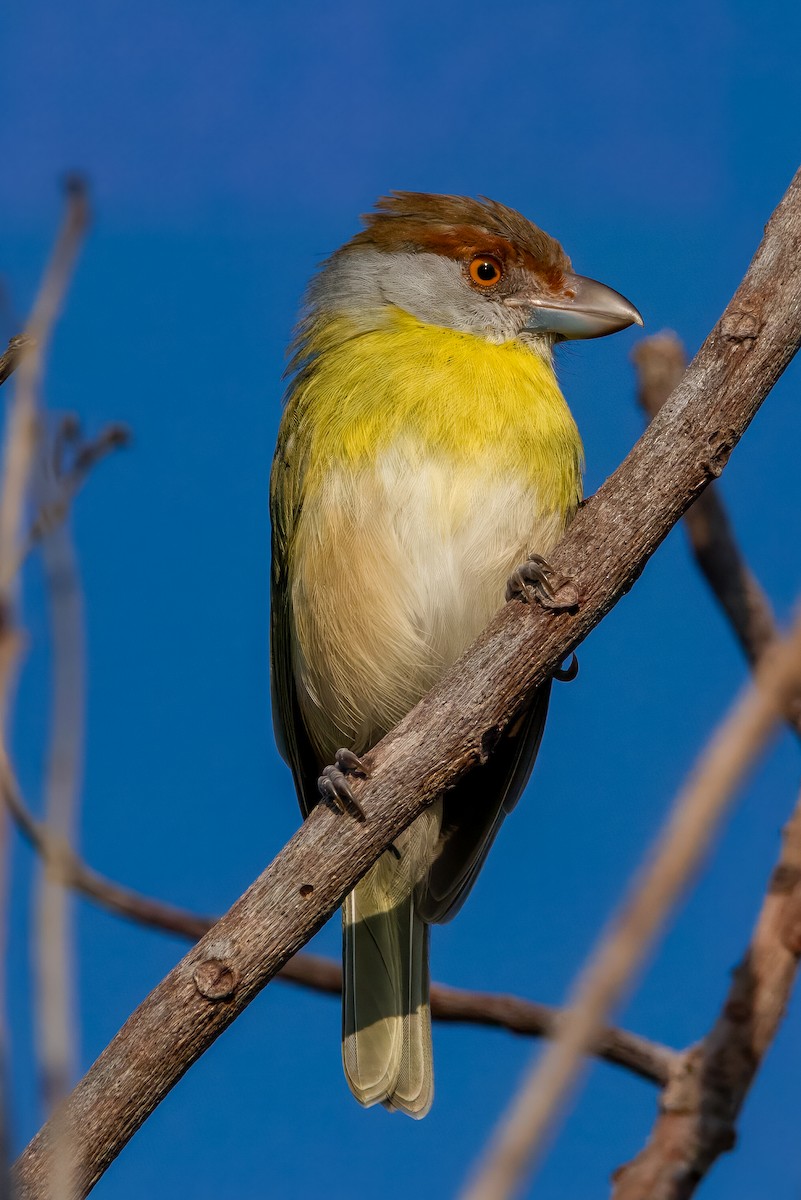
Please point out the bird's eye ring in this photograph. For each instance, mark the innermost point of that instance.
(485, 270)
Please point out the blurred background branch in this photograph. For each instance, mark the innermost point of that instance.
(56, 1031)
(18, 346)
(660, 362)
(709, 1083)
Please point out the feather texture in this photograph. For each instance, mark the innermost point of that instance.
(429, 464)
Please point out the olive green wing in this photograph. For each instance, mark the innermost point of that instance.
(473, 812)
(291, 735)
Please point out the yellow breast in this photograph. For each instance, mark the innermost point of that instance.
(460, 395)
(420, 466)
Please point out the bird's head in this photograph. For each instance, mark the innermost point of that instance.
(471, 265)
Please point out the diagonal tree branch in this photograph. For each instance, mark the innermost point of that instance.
(453, 729)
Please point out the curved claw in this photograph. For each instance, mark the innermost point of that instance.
(568, 674)
(350, 764)
(334, 787)
(536, 580)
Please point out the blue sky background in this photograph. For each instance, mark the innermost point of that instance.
(230, 146)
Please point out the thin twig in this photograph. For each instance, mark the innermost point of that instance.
(709, 1083)
(21, 438)
(649, 1060)
(660, 363)
(73, 458)
(19, 451)
(62, 473)
(693, 821)
(447, 735)
(57, 1027)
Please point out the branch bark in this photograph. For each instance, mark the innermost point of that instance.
(453, 729)
(710, 1081)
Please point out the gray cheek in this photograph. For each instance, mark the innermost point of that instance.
(428, 286)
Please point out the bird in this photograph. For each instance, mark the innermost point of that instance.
(426, 465)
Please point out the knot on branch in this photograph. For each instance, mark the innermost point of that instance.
(215, 979)
(740, 325)
(719, 442)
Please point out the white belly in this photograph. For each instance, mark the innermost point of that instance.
(395, 572)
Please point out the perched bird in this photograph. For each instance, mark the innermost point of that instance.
(426, 456)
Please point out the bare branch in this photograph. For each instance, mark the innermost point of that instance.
(660, 363)
(60, 480)
(619, 1047)
(26, 355)
(21, 437)
(73, 458)
(61, 474)
(692, 823)
(649, 1060)
(57, 1036)
(710, 1081)
(452, 730)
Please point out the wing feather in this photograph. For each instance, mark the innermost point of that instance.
(291, 735)
(473, 813)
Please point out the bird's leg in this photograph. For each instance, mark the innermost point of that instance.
(536, 580)
(334, 786)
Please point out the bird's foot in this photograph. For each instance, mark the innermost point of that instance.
(535, 580)
(334, 787)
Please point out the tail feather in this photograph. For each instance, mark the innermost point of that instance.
(372, 1031)
(414, 1089)
(386, 1034)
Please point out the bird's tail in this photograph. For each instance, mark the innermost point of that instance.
(386, 1018)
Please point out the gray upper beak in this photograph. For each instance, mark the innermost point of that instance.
(591, 309)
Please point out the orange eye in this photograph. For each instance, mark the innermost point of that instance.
(485, 270)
